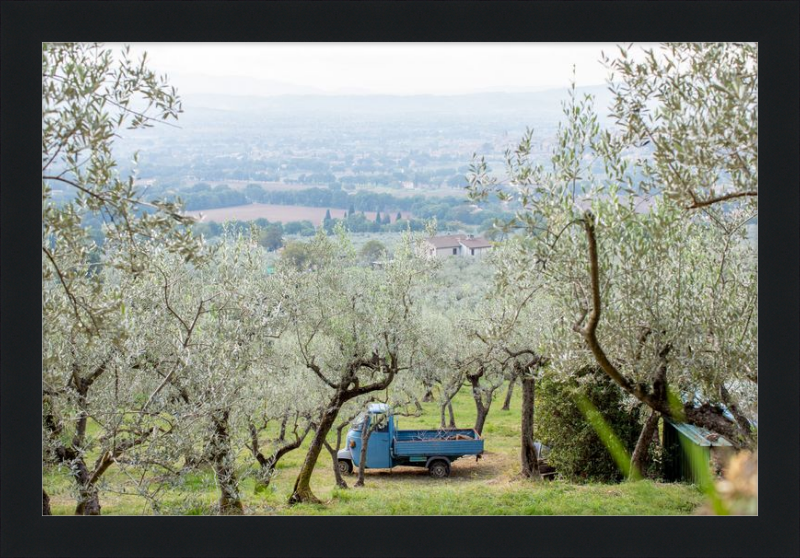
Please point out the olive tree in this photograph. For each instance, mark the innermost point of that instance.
(354, 328)
(91, 387)
(102, 389)
(477, 362)
(230, 307)
(285, 398)
(89, 96)
(642, 288)
(299, 427)
(515, 331)
(435, 370)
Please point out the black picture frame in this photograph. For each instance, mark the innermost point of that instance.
(25, 25)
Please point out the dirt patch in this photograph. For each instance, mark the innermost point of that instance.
(491, 467)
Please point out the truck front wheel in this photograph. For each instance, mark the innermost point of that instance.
(439, 469)
(345, 466)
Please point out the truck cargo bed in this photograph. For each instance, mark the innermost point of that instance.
(437, 442)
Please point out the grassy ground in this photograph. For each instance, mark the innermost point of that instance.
(488, 486)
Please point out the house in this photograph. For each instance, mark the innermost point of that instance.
(457, 245)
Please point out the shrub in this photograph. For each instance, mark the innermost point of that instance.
(372, 250)
(577, 452)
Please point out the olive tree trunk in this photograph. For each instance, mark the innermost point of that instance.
(223, 460)
(366, 432)
(529, 455)
(267, 464)
(510, 393)
(88, 496)
(334, 451)
(302, 485)
(640, 452)
(337, 474)
(482, 404)
(451, 423)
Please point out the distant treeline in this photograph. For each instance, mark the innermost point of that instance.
(271, 233)
(450, 213)
(203, 196)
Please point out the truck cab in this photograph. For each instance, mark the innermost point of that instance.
(389, 447)
(380, 441)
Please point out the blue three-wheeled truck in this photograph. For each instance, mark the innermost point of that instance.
(389, 447)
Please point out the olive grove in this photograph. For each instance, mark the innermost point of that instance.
(627, 256)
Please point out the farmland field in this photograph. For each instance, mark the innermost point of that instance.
(276, 213)
(240, 185)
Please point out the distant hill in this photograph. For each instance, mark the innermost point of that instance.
(540, 103)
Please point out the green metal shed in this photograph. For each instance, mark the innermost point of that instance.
(679, 439)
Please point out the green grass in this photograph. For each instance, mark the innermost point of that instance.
(490, 486)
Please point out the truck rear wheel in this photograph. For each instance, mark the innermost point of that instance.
(345, 466)
(439, 469)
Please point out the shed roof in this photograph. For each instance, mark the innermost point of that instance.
(699, 435)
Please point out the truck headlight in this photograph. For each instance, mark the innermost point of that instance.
(352, 443)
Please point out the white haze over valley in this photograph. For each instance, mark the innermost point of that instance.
(270, 69)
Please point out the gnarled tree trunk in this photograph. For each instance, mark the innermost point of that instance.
(447, 405)
(452, 419)
(362, 458)
(88, 497)
(510, 393)
(342, 394)
(529, 456)
(267, 464)
(302, 485)
(334, 451)
(481, 407)
(223, 459)
(337, 474)
(639, 456)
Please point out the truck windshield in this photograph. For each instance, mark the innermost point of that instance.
(358, 422)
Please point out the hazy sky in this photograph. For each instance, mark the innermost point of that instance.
(382, 68)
